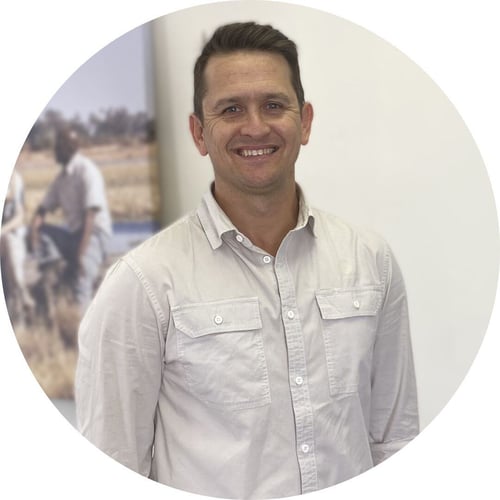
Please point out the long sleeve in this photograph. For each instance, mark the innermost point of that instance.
(119, 369)
(394, 419)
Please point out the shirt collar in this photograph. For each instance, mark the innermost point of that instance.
(215, 222)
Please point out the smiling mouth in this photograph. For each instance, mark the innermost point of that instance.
(246, 153)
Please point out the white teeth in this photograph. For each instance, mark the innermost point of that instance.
(256, 152)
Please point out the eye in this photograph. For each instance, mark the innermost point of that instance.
(274, 105)
(231, 109)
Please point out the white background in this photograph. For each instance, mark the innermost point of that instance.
(456, 43)
(388, 151)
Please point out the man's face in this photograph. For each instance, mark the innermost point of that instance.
(252, 125)
(64, 148)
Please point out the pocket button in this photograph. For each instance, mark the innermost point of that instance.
(218, 319)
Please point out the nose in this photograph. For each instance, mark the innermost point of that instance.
(255, 124)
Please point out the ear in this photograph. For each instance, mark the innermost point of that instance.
(196, 128)
(306, 122)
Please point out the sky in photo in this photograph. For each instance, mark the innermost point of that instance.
(119, 75)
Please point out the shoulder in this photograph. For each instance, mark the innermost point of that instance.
(83, 165)
(155, 266)
(169, 245)
(330, 226)
(357, 247)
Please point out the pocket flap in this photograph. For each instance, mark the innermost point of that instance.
(340, 303)
(223, 316)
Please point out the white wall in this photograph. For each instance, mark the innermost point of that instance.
(388, 151)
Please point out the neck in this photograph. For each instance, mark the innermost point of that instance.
(265, 220)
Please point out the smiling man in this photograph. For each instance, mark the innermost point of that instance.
(252, 125)
(257, 347)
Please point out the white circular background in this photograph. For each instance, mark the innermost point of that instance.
(42, 44)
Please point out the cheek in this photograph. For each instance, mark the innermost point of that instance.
(217, 138)
(292, 129)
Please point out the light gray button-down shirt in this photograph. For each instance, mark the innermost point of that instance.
(213, 367)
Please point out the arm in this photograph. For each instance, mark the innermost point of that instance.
(14, 223)
(394, 419)
(88, 227)
(36, 222)
(49, 203)
(15, 195)
(119, 369)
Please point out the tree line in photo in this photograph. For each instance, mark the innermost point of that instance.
(113, 125)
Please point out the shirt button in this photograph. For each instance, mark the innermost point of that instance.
(266, 259)
(299, 380)
(218, 319)
(290, 314)
(239, 238)
(356, 304)
(305, 448)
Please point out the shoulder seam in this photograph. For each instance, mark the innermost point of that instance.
(155, 304)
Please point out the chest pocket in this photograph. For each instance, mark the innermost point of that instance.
(221, 349)
(349, 322)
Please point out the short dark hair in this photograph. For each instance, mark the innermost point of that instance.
(246, 36)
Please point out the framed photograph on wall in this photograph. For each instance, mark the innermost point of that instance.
(107, 107)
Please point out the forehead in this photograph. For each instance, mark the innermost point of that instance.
(245, 70)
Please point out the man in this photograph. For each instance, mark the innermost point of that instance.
(80, 192)
(257, 347)
(13, 251)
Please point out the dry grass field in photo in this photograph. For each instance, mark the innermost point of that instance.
(131, 177)
(130, 173)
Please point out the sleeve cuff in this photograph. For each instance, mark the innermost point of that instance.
(382, 451)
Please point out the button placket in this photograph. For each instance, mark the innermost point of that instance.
(299, 389)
